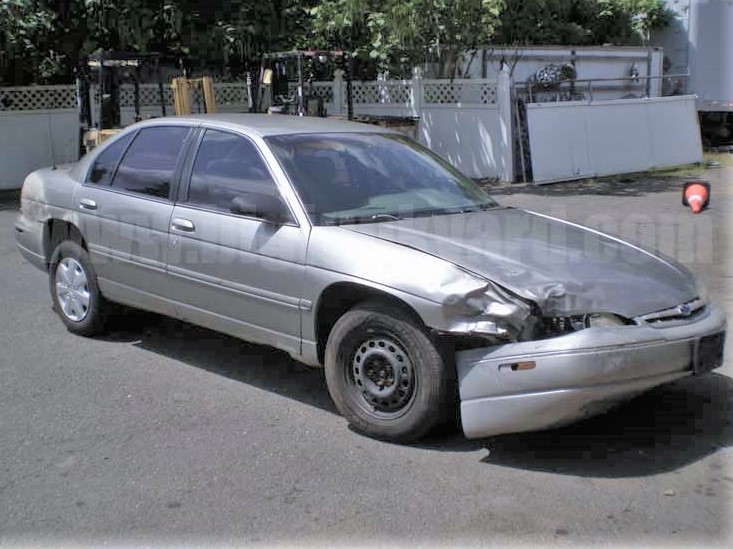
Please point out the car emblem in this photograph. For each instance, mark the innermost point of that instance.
(684, 310)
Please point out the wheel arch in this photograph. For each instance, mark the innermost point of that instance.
(339, 297)
(56, 231)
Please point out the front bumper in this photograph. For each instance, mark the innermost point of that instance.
(29, 239)
(575, 375)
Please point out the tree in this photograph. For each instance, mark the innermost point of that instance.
(24, 39)
(409, 32)
(245, 29)
(42, 40)
(647, 16)
(402, 33)
(581, 22)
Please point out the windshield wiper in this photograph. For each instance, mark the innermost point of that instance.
(478, 208)
(365, 219)
(456, 210)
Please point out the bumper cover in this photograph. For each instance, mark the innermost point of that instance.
(29, 239)
(575, 375)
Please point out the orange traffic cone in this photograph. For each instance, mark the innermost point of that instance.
(696, 195)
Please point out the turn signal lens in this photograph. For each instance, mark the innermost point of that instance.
(514, 366)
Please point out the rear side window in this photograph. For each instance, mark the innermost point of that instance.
(105, 164)
(227, 166)
(150, 162)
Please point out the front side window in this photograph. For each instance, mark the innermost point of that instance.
(226, 166)
(371, 177)
(150, 163)
(105, 164)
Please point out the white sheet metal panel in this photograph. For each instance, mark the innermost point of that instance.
(36, 139)
(675, 131)
(556, 158)
(580, 139)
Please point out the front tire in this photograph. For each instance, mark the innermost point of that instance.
(385, 374)
(74, 290)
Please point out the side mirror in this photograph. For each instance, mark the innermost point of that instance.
(269, 208)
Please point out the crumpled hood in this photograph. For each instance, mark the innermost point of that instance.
(564, 268)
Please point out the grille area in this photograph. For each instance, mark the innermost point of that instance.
(684, 311)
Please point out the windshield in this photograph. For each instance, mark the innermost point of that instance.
(370, 177)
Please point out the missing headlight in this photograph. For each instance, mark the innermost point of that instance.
(561, 325)
(604, 320)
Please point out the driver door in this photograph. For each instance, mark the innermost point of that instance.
(238, 274)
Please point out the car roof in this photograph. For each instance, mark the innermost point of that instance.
(260, 124)
(272, 124)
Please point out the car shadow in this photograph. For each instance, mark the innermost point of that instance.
(659, 431)
(662, 430)
(257, 365)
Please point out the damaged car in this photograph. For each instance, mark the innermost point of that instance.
(354, 248)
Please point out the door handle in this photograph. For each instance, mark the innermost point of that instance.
(184, 225)
(87, 204)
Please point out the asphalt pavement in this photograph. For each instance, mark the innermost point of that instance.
(167, 434)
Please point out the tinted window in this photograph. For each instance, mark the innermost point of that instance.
(105, 164)
(226, 166)
(150, 162)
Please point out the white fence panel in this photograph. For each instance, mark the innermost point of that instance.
(33, 98)
(465, 122)
(580, 139)
(458, 119)
(34, 139)
(458, 92)
(230, 97)
(468, 138)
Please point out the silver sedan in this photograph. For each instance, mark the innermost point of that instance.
(354, 248)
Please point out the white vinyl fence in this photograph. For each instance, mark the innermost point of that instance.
(467, 122)
(230, 97)
(580, 139)
(39, 126)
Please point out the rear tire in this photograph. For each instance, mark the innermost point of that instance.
(385, 374)
(74, 290)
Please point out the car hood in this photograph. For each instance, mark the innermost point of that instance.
(563, 267)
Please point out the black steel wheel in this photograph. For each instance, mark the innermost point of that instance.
(385, 374)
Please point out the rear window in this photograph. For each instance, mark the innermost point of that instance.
(150, 163)
(105, 164)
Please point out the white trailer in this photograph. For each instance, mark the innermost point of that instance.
(700, 42)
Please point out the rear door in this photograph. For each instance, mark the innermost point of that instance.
(235, 273)
(126, 207)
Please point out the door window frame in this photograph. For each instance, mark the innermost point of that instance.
(175, 178)
(99, 153)
(187, 173)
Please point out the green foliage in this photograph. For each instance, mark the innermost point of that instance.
(581, 22)
(404, 32)
(42, 40)
(23, 35)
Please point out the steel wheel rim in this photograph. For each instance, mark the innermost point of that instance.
(382, 377)
(72, 289)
